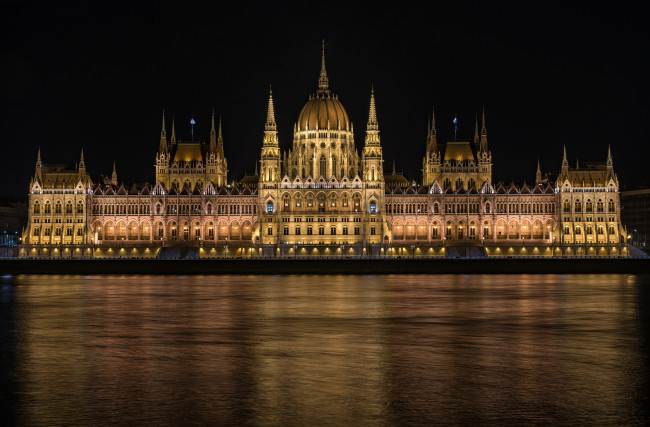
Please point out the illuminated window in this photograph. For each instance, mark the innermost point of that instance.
(269, 207)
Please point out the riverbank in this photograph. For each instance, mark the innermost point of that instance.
(327, 266)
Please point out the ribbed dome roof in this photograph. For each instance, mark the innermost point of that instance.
(319, 109)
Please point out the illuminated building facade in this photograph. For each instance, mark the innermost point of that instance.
(324, 197)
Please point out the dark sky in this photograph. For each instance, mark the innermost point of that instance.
(548, 74)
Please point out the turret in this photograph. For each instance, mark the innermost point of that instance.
(372, 155)
(270, 161)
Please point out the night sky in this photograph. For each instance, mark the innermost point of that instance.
(79, 75)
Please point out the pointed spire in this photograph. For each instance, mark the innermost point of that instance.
(163, 136)
(538, 174)
(323, 81)
(256, 171)
(609, 156)
(82, 163)
(213, 136)
(394, 167)
(476, 137)
(433, 140)
(565, 161)
(38, 158)
(220, 141)
(372, 117)
(173, 141)
(577, 163)
(114, 175)
(483, 129)
(483, 143)
(270, 114)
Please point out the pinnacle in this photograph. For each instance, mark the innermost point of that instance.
(323, 81)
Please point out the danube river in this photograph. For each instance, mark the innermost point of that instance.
(325, 350)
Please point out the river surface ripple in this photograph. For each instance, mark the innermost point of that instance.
(324, 350)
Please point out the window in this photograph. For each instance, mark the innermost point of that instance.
(333, 230)
(48, 208)
(373, 207)
(310, 230)
(357, 231)
(285, 230)
(345, 230)
(321, 231)
(269, 207)
(37, 208)
(58, 208)
(269, 231)
(80, 232)
(601, 229)
(372, 231)
(286, 201)
(68, 231)
(610, 206)
(68, 208)
(298, 231)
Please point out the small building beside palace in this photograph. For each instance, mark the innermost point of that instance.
(324, 197)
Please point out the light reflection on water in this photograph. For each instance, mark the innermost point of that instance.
(307, 350)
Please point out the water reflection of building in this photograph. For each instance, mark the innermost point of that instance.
(324, 196)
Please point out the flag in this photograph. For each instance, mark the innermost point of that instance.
(455, 120)
(192, 122)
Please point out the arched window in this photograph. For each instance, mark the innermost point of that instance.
(323, 166)
(373, 207)
(459, 183)
(286, 200)
(298, 201)
(471, 183)
(37, 208)
(446, 183)
(488, 208)
(567, 206)
(68, 209)
(610, 205)
(269, 207)
(600, 207)
(578, 207)
(589, 207)
(80, 207)
(333, 200)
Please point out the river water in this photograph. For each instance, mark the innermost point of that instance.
(325, 350)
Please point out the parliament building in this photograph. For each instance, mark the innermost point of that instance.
(323, 197)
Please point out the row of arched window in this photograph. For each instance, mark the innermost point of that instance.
(58, 207)
(589, 206)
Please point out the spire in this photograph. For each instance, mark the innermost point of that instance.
(270, 115)
(173, 132)
(82, 163)
(476, 137)
(609, 157)
(394, 167)
(538, 174)
(433, 140)
(323, 81)
(483, 142)
(220, 141)
(256, 171)
(565, 162)
(372, 130)
(213, 136)
(163, 136)
(577, 163)
(372, 117)
(114, 175)
(38, 158)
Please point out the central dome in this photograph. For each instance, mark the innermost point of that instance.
(321, 109)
